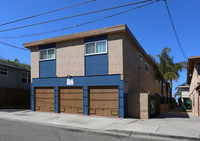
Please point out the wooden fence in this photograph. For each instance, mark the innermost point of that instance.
(14, 98)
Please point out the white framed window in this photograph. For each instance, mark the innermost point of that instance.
(98, 47)
(3, 71)
(25, 78)
(47, 54)
(146, 67)
(141, 57)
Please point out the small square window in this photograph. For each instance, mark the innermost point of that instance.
(25, 77)
(97, 47)
(43, 55)
(90, 48)
(141, 57)
(198, 68)
(47, 54)
(4, 71)
(101, 47)
(51, 54)
(146, 67)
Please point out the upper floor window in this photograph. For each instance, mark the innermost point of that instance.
(47, 54)
(141, 57)
(25, 77)
(4, 71)
(97, 47)
(146, 67)
(198, 68)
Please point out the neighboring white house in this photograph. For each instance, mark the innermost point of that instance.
(185, 96)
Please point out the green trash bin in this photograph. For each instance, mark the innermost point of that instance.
(187, 104)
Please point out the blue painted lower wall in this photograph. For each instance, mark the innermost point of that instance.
(85, 82)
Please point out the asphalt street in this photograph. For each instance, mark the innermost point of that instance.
(23, 131)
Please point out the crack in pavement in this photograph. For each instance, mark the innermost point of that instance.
(158, 128)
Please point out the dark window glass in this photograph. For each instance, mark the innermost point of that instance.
(198, 68)
(146, 68)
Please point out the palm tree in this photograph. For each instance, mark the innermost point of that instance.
(168, 68)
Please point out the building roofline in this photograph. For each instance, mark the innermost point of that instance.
(90, 33)
(8, 64)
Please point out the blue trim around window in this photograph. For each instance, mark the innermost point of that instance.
(97, 38)
(47, 46)
(47, 68)
(96, 64)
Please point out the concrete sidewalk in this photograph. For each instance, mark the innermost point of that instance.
(174, 123)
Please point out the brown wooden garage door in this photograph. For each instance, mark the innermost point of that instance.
(103, 101)
(44, 99)
(71, 100)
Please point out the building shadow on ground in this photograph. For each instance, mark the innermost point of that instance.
(14, 110)
(177, 112)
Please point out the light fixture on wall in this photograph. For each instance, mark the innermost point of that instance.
(69, 76)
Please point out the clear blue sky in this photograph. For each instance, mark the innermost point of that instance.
(150, 25)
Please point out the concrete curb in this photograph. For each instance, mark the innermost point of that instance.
(112, 133)
(157, 135)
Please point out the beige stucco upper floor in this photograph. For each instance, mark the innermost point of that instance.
(125, 57)
(70, 57)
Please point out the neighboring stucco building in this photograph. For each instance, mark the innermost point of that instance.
(102, 72)
(14, 76)
(193, 79)
(185, 96)
(14, 85)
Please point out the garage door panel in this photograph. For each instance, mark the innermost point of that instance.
(108, 96)
(104, 112)
(71, 96)
(103, 101)
(71, 110)
(45, 96)
(102, 90)
(71, 100)
(72, 90)
(44, 99)
(71, 103)
(44, 90)
(103, 104)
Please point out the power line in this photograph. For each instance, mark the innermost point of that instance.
(3, 55)
(92, 12)
(175, 32)
(65, 28)
(37, 15)
(13, 46)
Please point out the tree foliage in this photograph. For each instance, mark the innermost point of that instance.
(18, 63)
(168, 68)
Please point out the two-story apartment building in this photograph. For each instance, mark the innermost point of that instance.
(193, 79)
(14, 85)
(102, 72)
